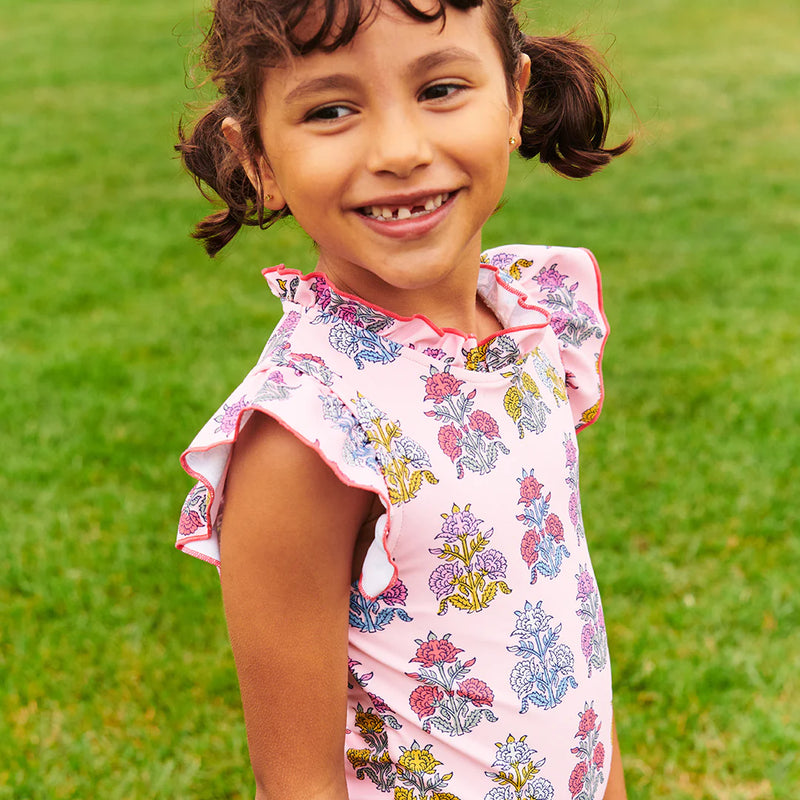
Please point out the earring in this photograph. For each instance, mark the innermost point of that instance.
(512, 141)
(269, 197)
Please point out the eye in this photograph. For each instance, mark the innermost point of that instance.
(329, 113)
(440, 91)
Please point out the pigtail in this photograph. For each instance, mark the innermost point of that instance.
(566, 107)
(214, 166)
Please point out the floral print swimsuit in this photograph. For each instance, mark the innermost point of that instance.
(477, 646)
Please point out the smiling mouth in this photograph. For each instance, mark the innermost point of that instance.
(386, 213)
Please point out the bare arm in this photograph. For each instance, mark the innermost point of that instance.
(615, 789)
(289, 532)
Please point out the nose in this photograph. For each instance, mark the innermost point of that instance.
(400, 142)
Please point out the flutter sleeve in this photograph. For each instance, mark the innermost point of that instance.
(306, 407)
(565, 281)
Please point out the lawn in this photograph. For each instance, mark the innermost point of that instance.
(119, 338)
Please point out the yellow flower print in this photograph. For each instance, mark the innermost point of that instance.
(367, 722)
(443, 796)
(590, 414)
(476, 357)
(417, 759)
(515, 270)
(358, 758)
(403, 794)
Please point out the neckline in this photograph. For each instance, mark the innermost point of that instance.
(522, 321)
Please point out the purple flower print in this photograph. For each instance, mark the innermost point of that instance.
(443, 580)
(594, 645)
(585, 585)
(587, 311)
(571, 452)
(492, 562)
(323, 291)
(434, 352)
(472, 575)
(230, 414)
(573, 508)
(458, 524)
(550, 278)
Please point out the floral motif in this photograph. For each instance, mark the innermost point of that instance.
(274, 387)
(379, 704)
(517, 773)
(469, 437)
(550, 377)
(374, 615)
(472, 574)
(446, 698)
(373, 761)
(416, 771)
(229, 415)
(545, 674)
(356, 449)
(494, 354)
(587, 774)
(278, 345)
(572, 320)
(573, 482)
(402, 460)
(508, 267)
(542, 545)
(193, 513)
(523, 402)
(594, 644)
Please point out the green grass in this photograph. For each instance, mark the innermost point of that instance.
(119, 338)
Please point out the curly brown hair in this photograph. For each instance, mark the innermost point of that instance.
(566, 104)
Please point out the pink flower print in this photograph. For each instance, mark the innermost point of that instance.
(601, 620)
(436, 651)
(323, 292)
(587, 311)
(347, 312)
(190, 521)
(230, 414)
(476, 691)
(443, 579)
(434, 352)
(577, 778)
(484, 423)
(585, 585)
(554, 528)
(459, 524)
(559, 321)
(440, 386)
(450, 440)
(599, 755)
(587, 723)
(571, 453)
(573, 508)
(492, 562)
(587, 638)
(550, 278)
(529, 490)
(528, 548)
(423, 700)
(396, 595)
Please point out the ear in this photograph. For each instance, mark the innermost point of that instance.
(258, 171)
(518, 98)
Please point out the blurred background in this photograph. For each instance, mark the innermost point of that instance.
(119, 338)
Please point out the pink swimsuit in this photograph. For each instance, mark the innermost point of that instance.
(478, 657)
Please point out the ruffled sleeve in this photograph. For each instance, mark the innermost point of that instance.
(565, 281)
(319, 418)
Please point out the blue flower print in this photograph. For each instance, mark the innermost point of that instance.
(362, 345)
(374, 615)
(545, 674)
(356, 449)
(518, 773)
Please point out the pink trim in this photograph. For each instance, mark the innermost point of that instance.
(180, 545)
(599, 290)
(522, 297)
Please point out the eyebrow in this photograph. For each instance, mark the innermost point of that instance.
(341, 80)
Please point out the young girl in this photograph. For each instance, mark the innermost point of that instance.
(392, 493)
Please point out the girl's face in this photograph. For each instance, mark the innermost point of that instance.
(392, 152)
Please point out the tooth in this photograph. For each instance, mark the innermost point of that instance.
(374, 211)
(386, 213)
(403, 213)
(430, 204)
(437, 201)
